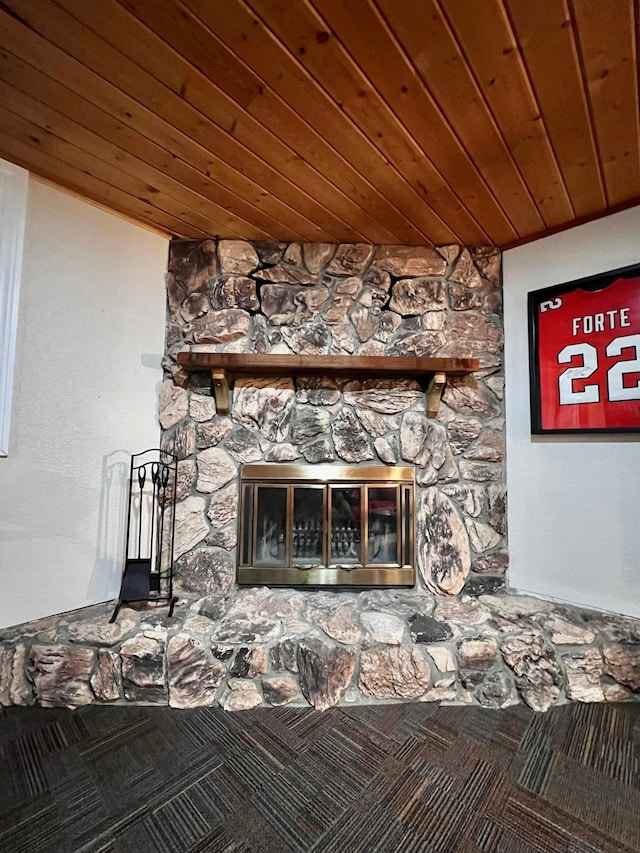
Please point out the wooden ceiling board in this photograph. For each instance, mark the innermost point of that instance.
(18, 146)
(607, 34)
(437, 59)
(203, 111)
(242, 198)
(32, 47)
(386, 65)
(488, 41)
(547, 40)
(73, 155)
(186, 35)
(167, 193)
(421, 122)
(95, 54)
(304, 32)
(231, 21)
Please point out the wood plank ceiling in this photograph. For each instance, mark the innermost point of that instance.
(386, 121)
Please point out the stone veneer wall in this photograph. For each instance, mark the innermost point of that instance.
(250, 647)
(236, 296)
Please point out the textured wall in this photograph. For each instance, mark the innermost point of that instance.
(573, 500)
(90, 338)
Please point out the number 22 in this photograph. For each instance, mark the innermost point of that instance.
(615, 375)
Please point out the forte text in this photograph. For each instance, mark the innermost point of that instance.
(590, 323)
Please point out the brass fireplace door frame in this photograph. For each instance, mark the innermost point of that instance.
(322, 573)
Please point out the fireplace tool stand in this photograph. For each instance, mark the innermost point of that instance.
(148, 566)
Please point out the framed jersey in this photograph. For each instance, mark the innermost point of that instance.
(584, 354)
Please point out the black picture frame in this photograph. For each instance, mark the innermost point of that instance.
(591, 324)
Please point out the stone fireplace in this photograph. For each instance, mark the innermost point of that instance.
(451, 634)
(318, 300)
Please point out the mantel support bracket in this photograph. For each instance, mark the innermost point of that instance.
(434, 393)
(220, 383)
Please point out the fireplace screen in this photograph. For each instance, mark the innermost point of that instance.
(325, 525)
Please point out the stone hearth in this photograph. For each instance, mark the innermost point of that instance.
(274, 647)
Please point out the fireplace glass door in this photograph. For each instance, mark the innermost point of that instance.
(382, 525)
(319, 525)
(307, 535)
(271, 525)
(346, 525)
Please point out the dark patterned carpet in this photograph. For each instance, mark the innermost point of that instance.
(382, 778)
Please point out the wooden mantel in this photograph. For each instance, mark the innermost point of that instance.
(225, 367)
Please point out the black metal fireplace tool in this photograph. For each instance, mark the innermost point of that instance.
(148, 566)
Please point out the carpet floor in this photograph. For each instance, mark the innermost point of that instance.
(403, 778)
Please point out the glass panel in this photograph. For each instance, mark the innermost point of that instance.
(247, 494)
(307, 538)
(383, 525)
(408, 521)
(346, 512)
(271, 524)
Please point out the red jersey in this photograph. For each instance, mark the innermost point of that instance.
(589, 358)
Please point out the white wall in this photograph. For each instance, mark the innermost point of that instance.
(90, 341)
(574, 502)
